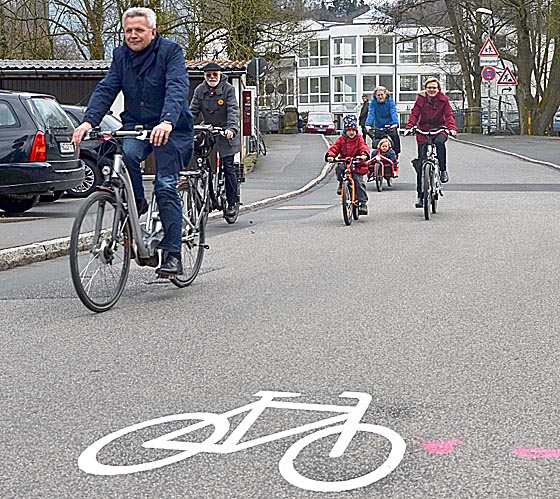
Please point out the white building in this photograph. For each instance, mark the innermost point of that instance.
(344, 61)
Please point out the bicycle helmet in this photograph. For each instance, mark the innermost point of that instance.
(350, 121)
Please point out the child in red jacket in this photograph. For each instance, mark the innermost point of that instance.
(351, 145)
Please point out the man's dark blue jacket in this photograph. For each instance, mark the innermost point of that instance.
(155, 84)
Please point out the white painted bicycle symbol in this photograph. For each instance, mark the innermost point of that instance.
(347, 424)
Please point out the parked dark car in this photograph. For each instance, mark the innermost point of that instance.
(94, 153)
(37, 157)
(320, 122)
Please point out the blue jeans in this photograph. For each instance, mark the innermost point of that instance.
(168, 200)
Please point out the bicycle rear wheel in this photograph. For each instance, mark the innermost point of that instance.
(195, 216)
(99, 263)
(426, 181)
(347, 206)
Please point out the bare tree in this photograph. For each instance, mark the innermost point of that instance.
(526, 32)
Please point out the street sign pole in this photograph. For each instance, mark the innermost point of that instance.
(489, 110)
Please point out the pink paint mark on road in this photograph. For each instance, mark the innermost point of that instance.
(441, 447)
(537, 453)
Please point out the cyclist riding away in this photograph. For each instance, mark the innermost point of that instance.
(382, 113)
(351, 145)
(151, 73)
(215, 100)
(431, 110)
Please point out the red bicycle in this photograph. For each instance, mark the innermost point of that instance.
(348, 198)
(381, 167)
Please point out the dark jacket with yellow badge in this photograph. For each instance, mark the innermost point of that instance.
(219, 108)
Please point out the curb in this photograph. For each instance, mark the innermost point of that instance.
(47, 250)
(515, 155)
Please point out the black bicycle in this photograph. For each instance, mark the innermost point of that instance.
(107, 232)
(431, 174)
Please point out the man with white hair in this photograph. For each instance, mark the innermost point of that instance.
(151, 73)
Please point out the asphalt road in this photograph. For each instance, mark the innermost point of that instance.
(450, 325)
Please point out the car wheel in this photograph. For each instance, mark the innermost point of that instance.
(51, 198)
(92, 178)
(10, 205)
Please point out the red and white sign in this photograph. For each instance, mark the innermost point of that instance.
(488, 49)
(507, 78)
(488, 73)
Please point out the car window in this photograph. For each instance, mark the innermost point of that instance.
(50, 112)
(320, 118)
(110, 123)
(7, 116)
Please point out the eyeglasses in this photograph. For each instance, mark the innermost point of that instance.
(431, 88)
(212, 75)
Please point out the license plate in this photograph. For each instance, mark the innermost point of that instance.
(66, 147)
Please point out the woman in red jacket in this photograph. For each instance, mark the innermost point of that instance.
(430, 111)
(351, 144)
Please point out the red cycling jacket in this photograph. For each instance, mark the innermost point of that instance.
(345, 147)
(430, 113)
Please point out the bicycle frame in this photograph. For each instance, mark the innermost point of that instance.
(348, 175)
(120, 172)
(350, 417)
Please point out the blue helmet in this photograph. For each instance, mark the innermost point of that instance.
(350, 121)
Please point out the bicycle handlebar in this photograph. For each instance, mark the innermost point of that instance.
(97, 134)
(429, 133)
(215, 130)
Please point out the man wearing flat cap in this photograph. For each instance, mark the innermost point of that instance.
(215, 99)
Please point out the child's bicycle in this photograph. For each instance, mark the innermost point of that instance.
(381, 168)
(350, 205)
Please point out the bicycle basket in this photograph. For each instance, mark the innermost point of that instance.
(203, 142)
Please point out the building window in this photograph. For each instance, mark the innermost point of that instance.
(420, 51)
(314, 90)
(409, 85)
(377, 50)
(428, 51)
(345, 89)
(370, 82)
(314, 53)
(344, 51)
(454, 87)
(386, 50)
(408, 52)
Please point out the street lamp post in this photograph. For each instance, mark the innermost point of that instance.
(487, 12)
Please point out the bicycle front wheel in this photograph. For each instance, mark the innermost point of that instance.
(379, 177)
(427, 181)
(435, 192)
(347, 206)
(100, 252)
(195, 216)
(392, 460)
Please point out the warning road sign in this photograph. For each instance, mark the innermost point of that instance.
(488, 49)
(507, 78)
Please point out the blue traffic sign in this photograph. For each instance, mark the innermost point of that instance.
(488, 73)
